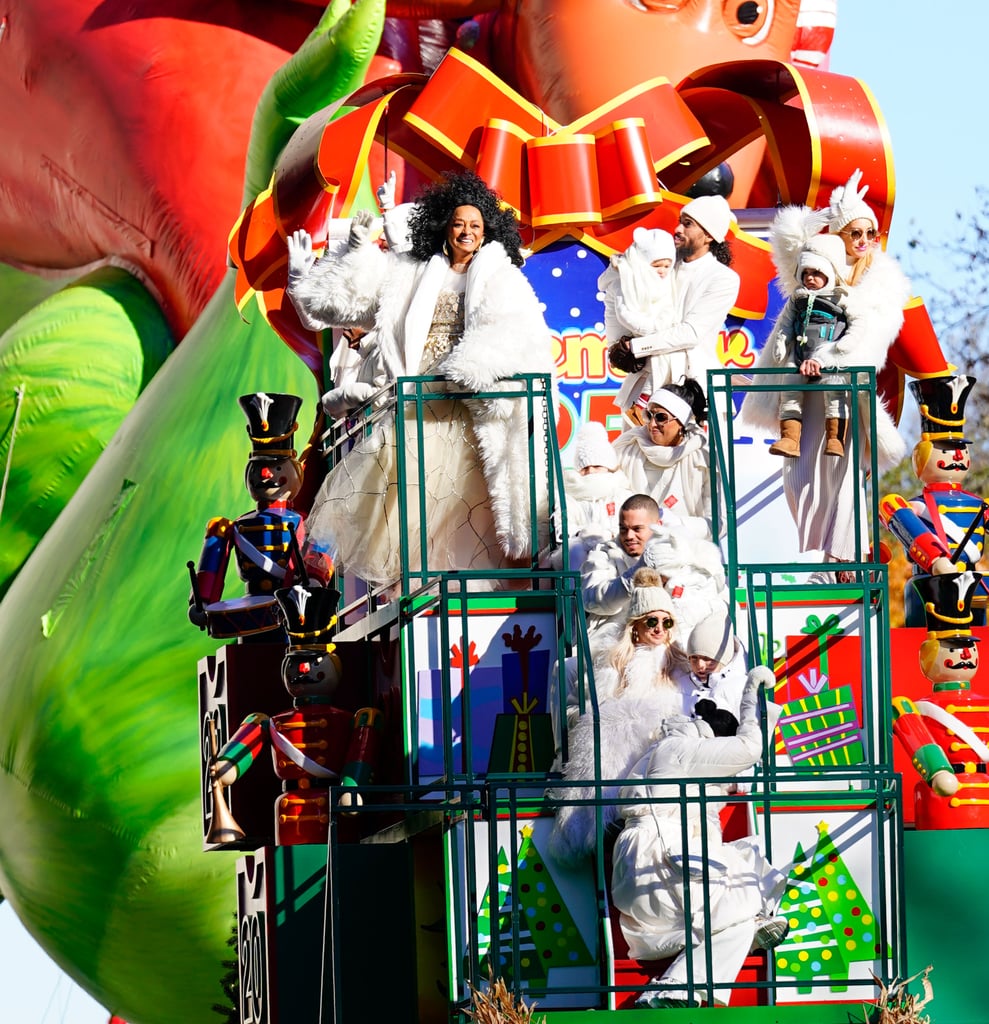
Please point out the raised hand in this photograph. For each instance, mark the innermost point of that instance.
(386, 193)
(300, 256)
(360, 229)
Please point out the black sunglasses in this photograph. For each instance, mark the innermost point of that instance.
(659, 417)
(652, 622)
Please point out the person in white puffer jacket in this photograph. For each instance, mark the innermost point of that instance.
(651, 862)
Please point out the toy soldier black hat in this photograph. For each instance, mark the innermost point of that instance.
(942, 406)
(948, 603)
(309, 614)
(271, 422)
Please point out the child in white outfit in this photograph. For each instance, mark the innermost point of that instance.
(639, 299)
(595, 488)
(808, 335)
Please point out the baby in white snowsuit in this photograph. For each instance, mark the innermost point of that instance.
(639, 300)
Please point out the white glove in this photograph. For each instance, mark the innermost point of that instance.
(845, 198)
(386, 193)
(360, 229)
(761, 676)
(300, 256)
(343, 400)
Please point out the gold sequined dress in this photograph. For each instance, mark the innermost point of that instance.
(357, 507)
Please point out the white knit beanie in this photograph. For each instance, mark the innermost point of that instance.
(712, 638)
(848, 204)
(648, 595)
(713, 214)
(654, 244)
(592, 447)
(825, 253)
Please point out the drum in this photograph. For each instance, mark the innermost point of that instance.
(242, 616)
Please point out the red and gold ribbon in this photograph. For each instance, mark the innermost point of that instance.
(595, 179)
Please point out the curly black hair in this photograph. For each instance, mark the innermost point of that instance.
(721, 251)
(434, 207)
(693, 394)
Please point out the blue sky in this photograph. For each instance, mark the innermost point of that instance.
(925, 69)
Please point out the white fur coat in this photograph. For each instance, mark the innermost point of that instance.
(629, 724)
(504, 334)
(875, 315)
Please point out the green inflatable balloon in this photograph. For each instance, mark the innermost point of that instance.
(100, 826)
(101, 851)
(72, 368)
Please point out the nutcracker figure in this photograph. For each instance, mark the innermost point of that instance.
(315, 744)
(943, 528)
(944, 734)
(266, 541)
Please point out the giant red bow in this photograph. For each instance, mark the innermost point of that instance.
(594, 179)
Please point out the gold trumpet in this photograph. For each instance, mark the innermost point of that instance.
(223, 825)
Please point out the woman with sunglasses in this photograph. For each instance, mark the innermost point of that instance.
(645, 662)
(667, 457)
(637, 681)
(822, 492)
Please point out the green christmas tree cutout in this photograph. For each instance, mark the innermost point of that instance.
(831, 924)
(547, 933)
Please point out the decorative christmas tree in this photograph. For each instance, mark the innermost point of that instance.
(831, 924)
(547, 933)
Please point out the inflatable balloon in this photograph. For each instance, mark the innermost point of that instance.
(101, 850)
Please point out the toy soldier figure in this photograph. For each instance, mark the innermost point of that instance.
(265, 541)
(943, 528)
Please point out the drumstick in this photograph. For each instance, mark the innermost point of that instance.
(197, 597)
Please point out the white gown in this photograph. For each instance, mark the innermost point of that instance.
(357, 507)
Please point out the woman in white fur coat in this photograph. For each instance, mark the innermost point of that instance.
(821, 492)
(636, 682)
(457, 305)
(653, 865)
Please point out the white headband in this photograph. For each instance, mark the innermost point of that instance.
(672, 403)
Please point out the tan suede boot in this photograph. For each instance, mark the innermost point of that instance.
(789, 443)
(834, 434)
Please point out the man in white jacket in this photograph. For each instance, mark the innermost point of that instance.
(606, 575)
(653, 867)
(706, 286)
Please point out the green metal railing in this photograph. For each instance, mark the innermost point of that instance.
(462, 798)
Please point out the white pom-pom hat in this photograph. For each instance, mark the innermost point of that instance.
(592, 448)
(654, 244)
(825, 253)
(648, 595)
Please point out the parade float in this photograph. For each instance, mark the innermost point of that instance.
(113, 853)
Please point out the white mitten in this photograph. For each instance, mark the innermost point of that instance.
(762, 676)
(360, 229)
(300, 256)
(386, 193)
(343, 400)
